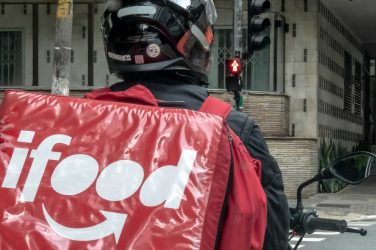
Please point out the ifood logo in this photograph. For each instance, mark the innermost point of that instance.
(76, 173)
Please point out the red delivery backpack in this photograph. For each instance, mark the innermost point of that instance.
(88, 174)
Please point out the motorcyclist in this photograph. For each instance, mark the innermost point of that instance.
(169, 53)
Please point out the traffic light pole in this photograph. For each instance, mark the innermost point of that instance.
(234, 83)
(238, 101)
(63, 50)
(238, 34)
(238, 46)
(255, 41)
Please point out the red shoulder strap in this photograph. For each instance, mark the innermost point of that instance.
(216, 106)
(137, 95)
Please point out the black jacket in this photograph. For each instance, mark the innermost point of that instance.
(184, 95)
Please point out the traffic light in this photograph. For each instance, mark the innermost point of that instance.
(234, 69)
(257, 24)
(234, 66)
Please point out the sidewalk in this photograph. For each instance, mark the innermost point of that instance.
(354, 203)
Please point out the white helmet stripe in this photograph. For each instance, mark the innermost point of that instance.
(200, 36)
(136, 10)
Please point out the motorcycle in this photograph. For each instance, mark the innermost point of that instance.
(352, 169)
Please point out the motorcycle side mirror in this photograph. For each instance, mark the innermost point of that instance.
(354, 168)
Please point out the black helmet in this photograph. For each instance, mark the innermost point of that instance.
(159, 35)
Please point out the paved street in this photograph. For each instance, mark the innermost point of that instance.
(352, 203)
(336, 241)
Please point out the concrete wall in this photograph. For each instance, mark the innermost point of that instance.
(314, 110)
(334, 39)
(298, 160)
(270, 110)
(301, 65)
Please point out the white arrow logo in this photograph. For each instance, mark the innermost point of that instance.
(113, 224)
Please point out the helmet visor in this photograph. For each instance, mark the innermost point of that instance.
(188, 5)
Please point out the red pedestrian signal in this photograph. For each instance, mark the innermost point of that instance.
(234, 66)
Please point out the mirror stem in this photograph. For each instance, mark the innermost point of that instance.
(299, 204)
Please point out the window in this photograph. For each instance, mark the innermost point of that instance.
(257, 74)
(358, 89)
(372, 68)
(348, 82)
(10, 58)
(221, 51)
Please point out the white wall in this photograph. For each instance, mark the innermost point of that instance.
(101, 73)
(304, 70)
(46, 43)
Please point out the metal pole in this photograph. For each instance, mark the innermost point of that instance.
(238, 45)
(238, 34)
(63, 43)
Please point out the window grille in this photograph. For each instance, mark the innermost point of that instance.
(257, 73)
(10, 58)
(348, 82)
(221, 51)
(358, 89)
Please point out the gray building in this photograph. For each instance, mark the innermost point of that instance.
(312, 90)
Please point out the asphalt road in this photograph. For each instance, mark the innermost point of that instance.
(348, 241)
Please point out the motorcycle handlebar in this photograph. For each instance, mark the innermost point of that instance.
(312, 223)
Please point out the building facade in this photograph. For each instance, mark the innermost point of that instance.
(313, 88)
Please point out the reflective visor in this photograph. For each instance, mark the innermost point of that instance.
(184, 4)
(162, 17)
(187, 4)
(190, 5)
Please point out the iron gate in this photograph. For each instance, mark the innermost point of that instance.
(10, 58)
